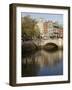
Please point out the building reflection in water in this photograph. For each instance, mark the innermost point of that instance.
(42, 63)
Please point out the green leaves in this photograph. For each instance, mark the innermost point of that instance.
(29, 27)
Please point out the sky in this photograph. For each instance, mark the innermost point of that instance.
(45, 16)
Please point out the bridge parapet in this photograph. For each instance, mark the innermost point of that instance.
(58, 42)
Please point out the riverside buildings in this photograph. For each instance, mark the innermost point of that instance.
(50, 29)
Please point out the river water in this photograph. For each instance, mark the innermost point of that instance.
(42, 63)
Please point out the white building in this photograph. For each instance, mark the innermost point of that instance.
(40, 25)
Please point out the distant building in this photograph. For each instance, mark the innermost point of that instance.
(58, 30)
(41, 28)
(61, 33)
(45, 24)
(50, 29)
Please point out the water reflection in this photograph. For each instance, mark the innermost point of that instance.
(42, 63)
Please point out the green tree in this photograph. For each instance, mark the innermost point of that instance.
(29, 28)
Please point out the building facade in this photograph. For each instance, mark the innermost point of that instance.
(41, 28)
(49, 29)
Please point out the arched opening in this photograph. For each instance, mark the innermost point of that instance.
(50, 47)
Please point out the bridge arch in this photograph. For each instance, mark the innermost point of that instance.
(50, 46)
(58, 42)
(51, 43)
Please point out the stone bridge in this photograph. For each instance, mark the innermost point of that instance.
(58, 42)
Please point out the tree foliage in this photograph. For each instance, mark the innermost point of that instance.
(30, 29)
